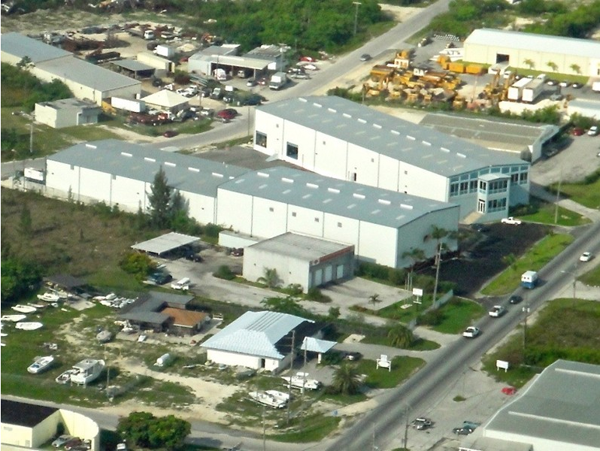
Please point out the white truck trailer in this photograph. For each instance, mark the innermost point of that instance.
(516, 90)
(278, 81)
(135, 106)
(532, 90)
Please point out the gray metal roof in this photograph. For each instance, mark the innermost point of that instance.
(132, 65)
(138, 162)
(237, 61)
(346, 199)
(535, 42)
(72, 103)
(387, 135)
(562, 405)
(20, 46)
(490, 132)
(299, 246)
(165, 243)
(87, 74)
(255, 333)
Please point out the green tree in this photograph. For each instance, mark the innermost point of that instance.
(400, 336)
(224, 272)
(270, 278)
(374, 299)
(138, 264)
(439, 234)
(415, 255)
(159, 200)
(333, 313)
(287, 305)
(25, 63)
(346, 380)
(18, 278)
(529, 63)
(135, 428)
(143, 429)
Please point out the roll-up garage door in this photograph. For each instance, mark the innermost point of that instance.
(328, 273)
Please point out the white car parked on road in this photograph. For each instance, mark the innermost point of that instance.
(585, 257)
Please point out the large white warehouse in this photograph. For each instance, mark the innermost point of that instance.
(534, 51)
(342, 139)
(381, 224)
(121, 174)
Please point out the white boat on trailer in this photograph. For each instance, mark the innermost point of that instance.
(87, 371)
(24, 308)
(41, 364)
(267, 399)
(29, 325)
(65, 377)
(49, 297)
(300, 381)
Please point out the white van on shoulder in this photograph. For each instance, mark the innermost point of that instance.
(183, 284)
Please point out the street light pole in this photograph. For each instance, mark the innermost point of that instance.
(526, 310)
(357, 4)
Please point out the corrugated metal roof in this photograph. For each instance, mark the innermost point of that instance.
(346, 199)
(255, 333)
(388, 135)
(562, 405)
(535, 42)
(299, 246)
(133, 65)
(138, 162)
(312, 344)
(165, 243)
(20, 46)
(87, 74)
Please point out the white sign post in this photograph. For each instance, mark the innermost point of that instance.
(418, 292)
(502, 365)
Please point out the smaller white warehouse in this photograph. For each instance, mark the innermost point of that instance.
(260, 340)
(585, 108)
(306, 261)
(67, 113)
(534, 51)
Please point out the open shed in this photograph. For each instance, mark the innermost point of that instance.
(165, 243)
(65, 282)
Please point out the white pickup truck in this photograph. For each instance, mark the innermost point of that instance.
(510, 220)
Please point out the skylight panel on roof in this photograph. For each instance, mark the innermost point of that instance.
(444, 149)
(287, 191)
(168, 163)
(126, 154)
(318, 105)
(262, 174)
(384, 201)
(461, 155)
(302, 99)
(90, 146)
(375, 212)
(331, 110)
(427, 143)
(351, 206)
(238, 181)
(362, 121)
(406, 206)
(395, 132)
(286, 180)
(347, 115)
(326, 201)
(358, 196)
(333, 190)
(193, 169)
(400, 217)
(216, 174)
(412, 138)
(152, 160)
(306, 196)
(263, 186)
(377, 126)
(311, 185)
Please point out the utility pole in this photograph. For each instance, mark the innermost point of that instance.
(557, 197)
(265, 429)
(438, 260)
(289, 403)
(406, 428)
(526, 310)
(31, 134)
(357, 4)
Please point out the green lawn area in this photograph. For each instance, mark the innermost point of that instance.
(402, 368)
(592, 277)
(397, 313)
(310, 429)
(586, 193)
(457, 315)
(544, 212)
(535, 259)
(565, 329)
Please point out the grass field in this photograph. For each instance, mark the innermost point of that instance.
(592, 278)
(587, 194)
(458, 314)
(544, 213)
(565, 329)
(533, 260)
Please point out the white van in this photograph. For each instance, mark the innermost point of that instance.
(183, 284)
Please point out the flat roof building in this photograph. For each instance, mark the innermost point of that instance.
(67, 113)
(348, 141)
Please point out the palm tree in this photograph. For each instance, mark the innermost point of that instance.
(415, 255)
(400, 336)
(576, 68)
(346, 380)
(529, 62)
(439, 234)
(374, 299)
(552, 65)
(270, 279)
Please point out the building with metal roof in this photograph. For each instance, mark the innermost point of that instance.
(166, 100)
(16, 46)
(523, 139)
(584, 107)
(67, 113)
(559, 410)
(517, 49)
(381, 225)
(348, 141)
(260, 340)
(120, 174)
(300, 260)
(85, 80)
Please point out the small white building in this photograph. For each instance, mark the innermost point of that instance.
(260, 340)
(348, 141)
(381, 225)
(165, 100)
(534, 51)
(120, 174)
(557, 411)
(298, 259)
(67, 113)
(206, 60)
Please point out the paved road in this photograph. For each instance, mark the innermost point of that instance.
(421, 391)
(9, 168)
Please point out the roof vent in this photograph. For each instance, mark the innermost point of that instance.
(263, 186)
(125, 154)
(375, 212)
(331, 110)
(216, 174)
(153, 160)
(412, 138)
(351, 206)
(461, 155)
(406, 206)
(286, 180)
(262, 174)
(193, 169)
(427, 143)
(90, 146)
(306, 196)
(168, 163)
(443, 149)
(358, 196)
(395, 132)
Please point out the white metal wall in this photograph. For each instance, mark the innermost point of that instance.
(235, 359)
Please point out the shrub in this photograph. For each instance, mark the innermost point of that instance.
(224, 272)
(212, 230)
(314, 294)
(293, 289)
(431, 318)
(138, 264)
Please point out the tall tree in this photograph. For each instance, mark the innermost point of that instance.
(400, 336)
(159, 199)
(439, 234)
(143, 429)
(346, 380)
(25, 222)
(529, 63)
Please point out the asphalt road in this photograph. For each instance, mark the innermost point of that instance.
(421, 391)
